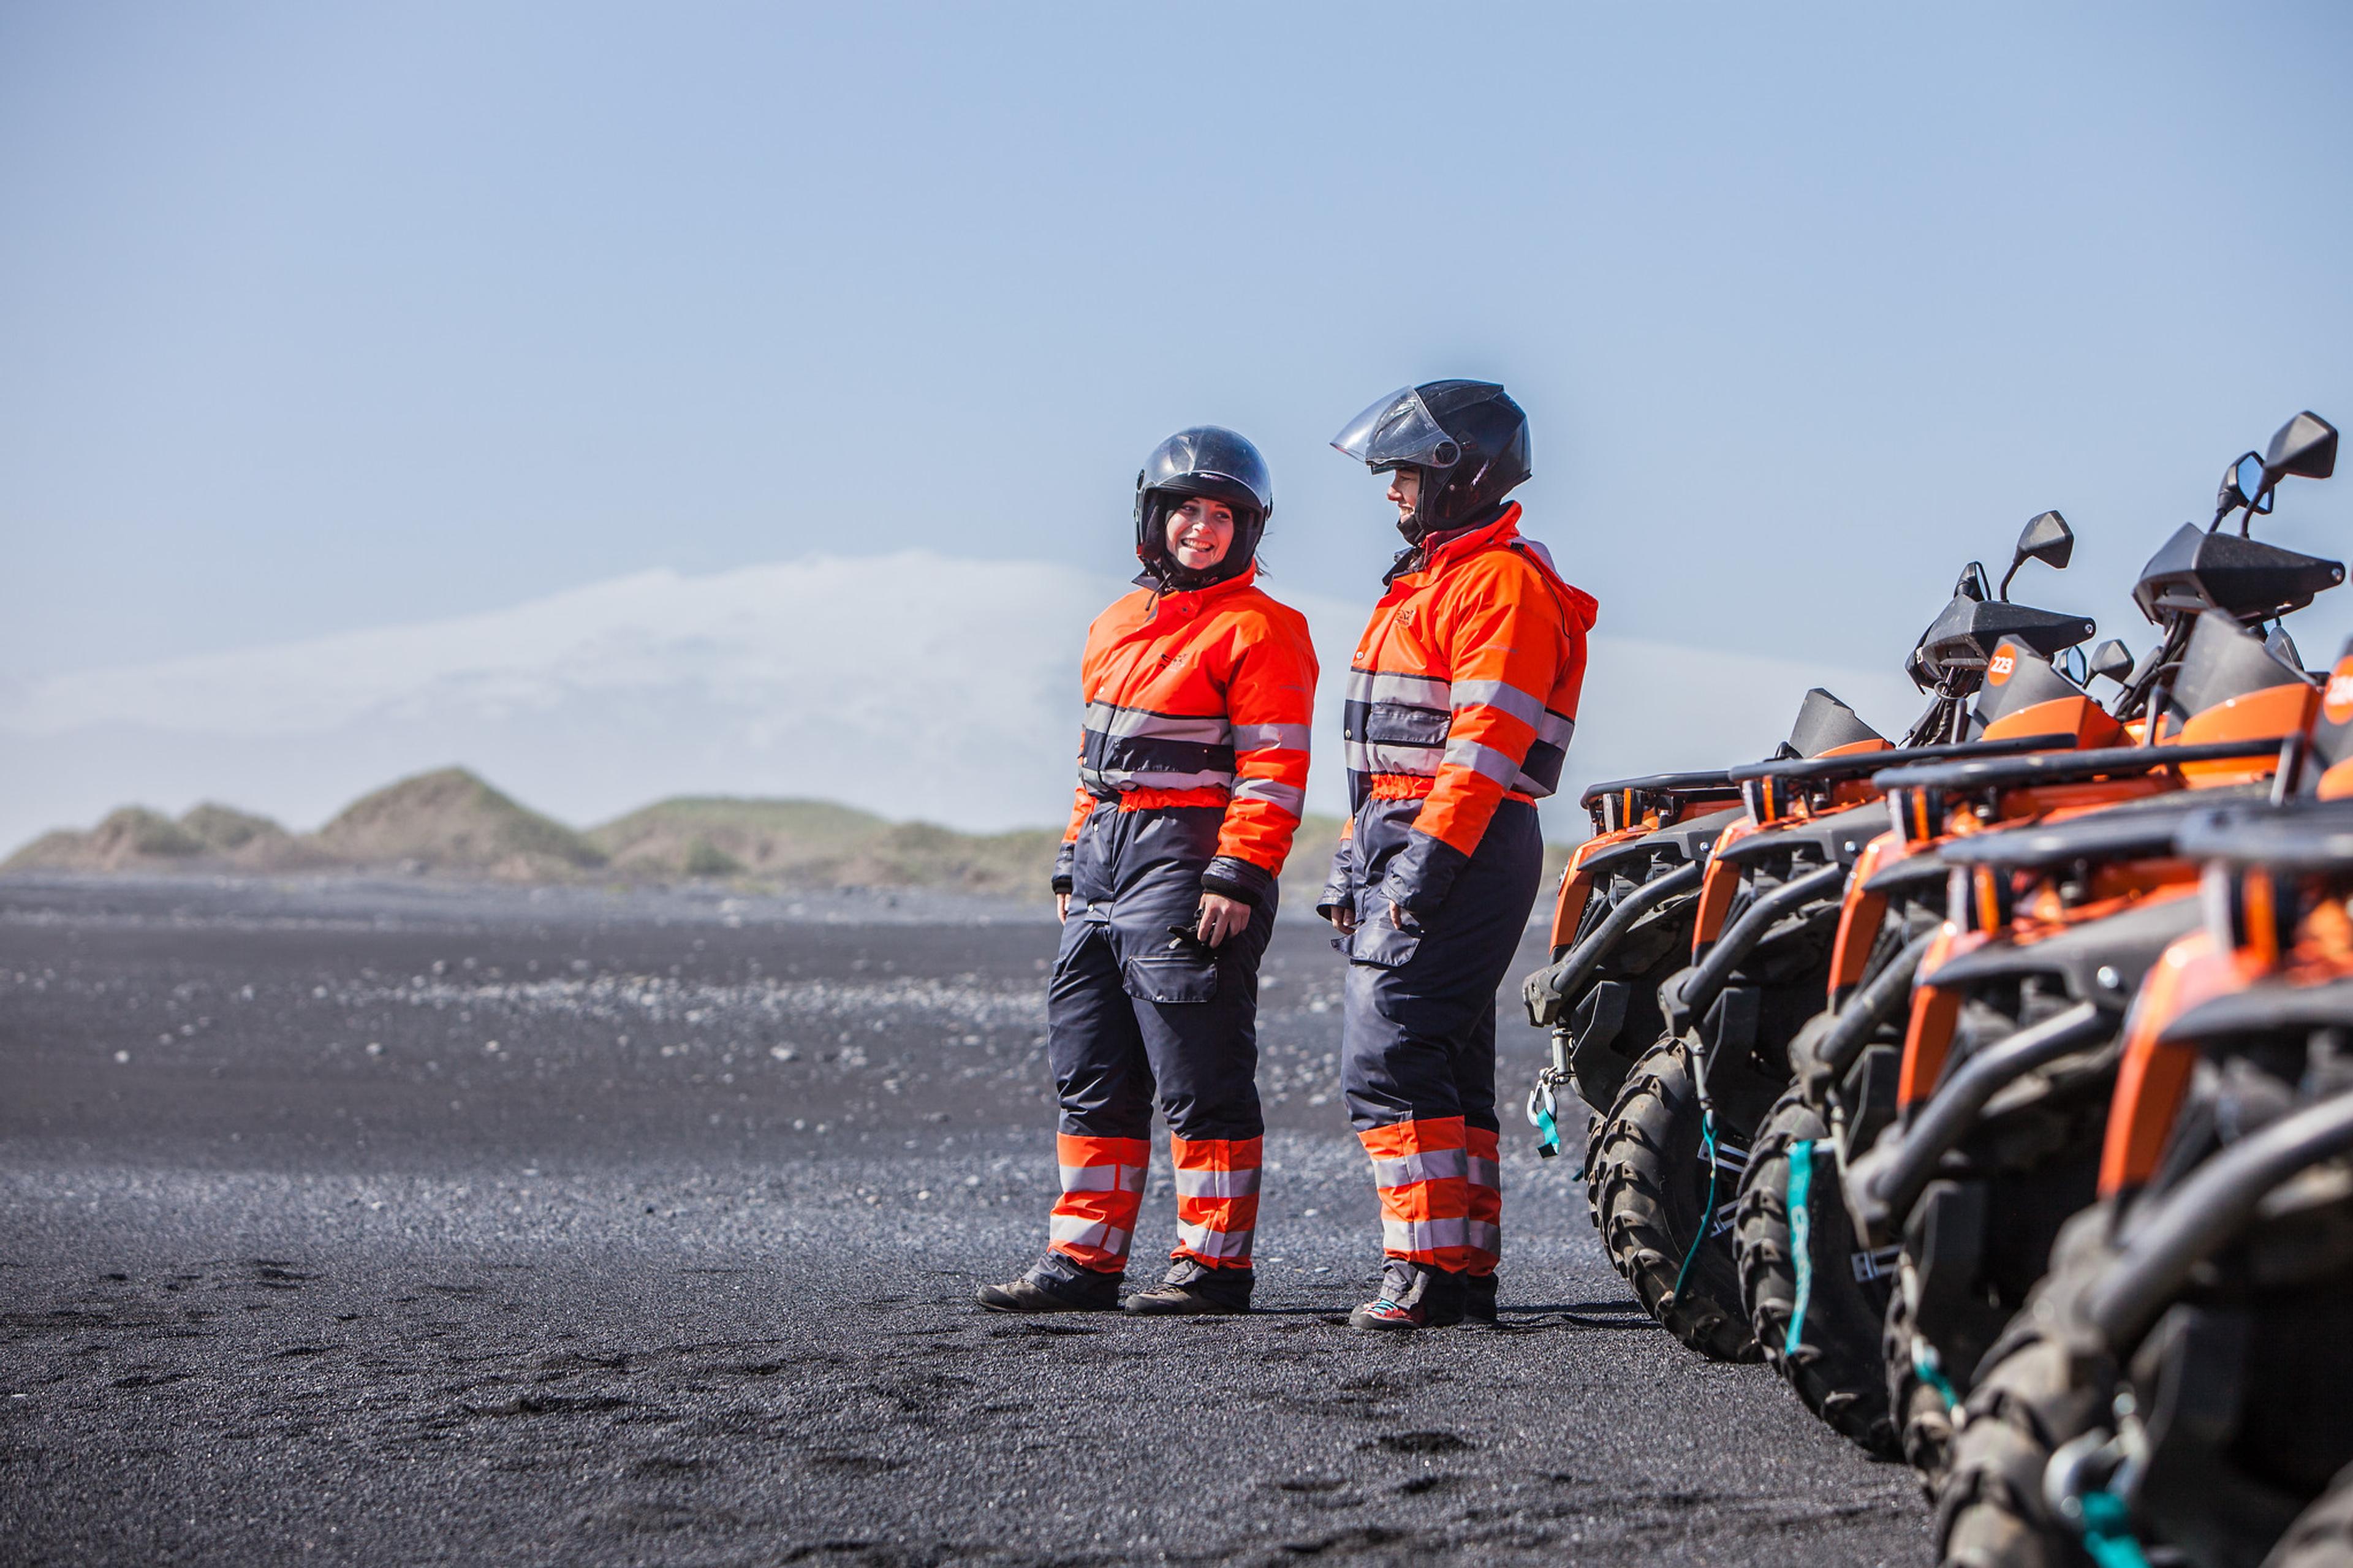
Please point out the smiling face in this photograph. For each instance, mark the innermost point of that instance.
(1405, 490)
(1200, 533)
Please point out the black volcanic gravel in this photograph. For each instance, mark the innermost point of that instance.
(392, 1222)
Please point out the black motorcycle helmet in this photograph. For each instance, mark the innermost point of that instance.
(1211, 462)
(1467, 439)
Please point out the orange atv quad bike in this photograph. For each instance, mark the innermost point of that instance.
(1819, 1333)
(1817, 1295)
(2013, 1034)
(2182, 1387)
(1623, 916)
(1665, 1161)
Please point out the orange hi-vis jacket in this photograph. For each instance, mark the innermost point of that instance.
(1464, 693)
(1202, 697)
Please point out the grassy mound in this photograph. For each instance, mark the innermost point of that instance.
(450, 820)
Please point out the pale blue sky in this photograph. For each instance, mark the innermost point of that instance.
(320, 316)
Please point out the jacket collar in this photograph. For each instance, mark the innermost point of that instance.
(1432, 557)
(1242, 579)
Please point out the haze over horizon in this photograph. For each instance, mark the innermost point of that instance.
(957, 703)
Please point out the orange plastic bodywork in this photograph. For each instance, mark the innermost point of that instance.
(2078, 716)
(2060, 801)
(1577, 887)
(2275, 710)
(1928, 1033)
(1859, 913)
(2338, 782)
(1928, 1037)
(2154, 1078)
(1717, 885)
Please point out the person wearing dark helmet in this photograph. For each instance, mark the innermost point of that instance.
(1192, 772)
(1461, 696)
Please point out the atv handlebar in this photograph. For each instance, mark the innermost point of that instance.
(1548, 988)
(1826, 770)
(2071, 767)
(1701, 984)
(2209, 1207)
(1889, 1180)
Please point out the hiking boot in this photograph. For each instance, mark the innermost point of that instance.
(1479, 1299)
(1413, 1296)
(1054, 1284)
(1194, 1290)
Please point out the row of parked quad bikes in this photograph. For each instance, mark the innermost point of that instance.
(1994, 1084)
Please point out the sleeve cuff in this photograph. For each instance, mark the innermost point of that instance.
(1422, 875)
(1236, 879)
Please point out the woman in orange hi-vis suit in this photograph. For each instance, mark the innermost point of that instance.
(1200, 691)
(1462, 697)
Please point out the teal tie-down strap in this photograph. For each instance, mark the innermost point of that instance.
(1801, 1238)
(1544, 1115)
(1925, 1367)
(2109, 1534)
(1707, 1212)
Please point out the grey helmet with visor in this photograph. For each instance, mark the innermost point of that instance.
(1466, 440)
(1216, 464)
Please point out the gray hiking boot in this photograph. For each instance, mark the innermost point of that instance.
(1195, 1289)
(1054, 1284)
(1413, 1296)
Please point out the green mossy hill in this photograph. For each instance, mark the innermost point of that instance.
(134, 838)
(720, 835)
(450, 820)
(808, 843)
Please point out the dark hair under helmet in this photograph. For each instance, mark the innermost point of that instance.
(1214, 463)
(1467, 439)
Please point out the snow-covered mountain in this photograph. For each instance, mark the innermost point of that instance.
(911, 684)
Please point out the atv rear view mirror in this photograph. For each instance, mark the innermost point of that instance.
(2113, 660)
(2072, 664)
(2241, 482)
(2305, 447)
(2047, 539)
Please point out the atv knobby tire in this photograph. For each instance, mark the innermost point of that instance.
(1649, 1194)
(2030, 1396)
(1923, 1425)
(1837, 1369)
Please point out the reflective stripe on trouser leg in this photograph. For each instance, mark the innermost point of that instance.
(1422, 1170)
(1216, 1199)
(1102, 1186)
(1484, 1239)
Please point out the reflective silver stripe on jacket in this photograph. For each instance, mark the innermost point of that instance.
(1484, 761)
(1124, 779)
(1429, 1165)
(1271, 737)
(1128, 724)
(1289, 798)
(1502, 694)
(1384, 757)
(1409, 690)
